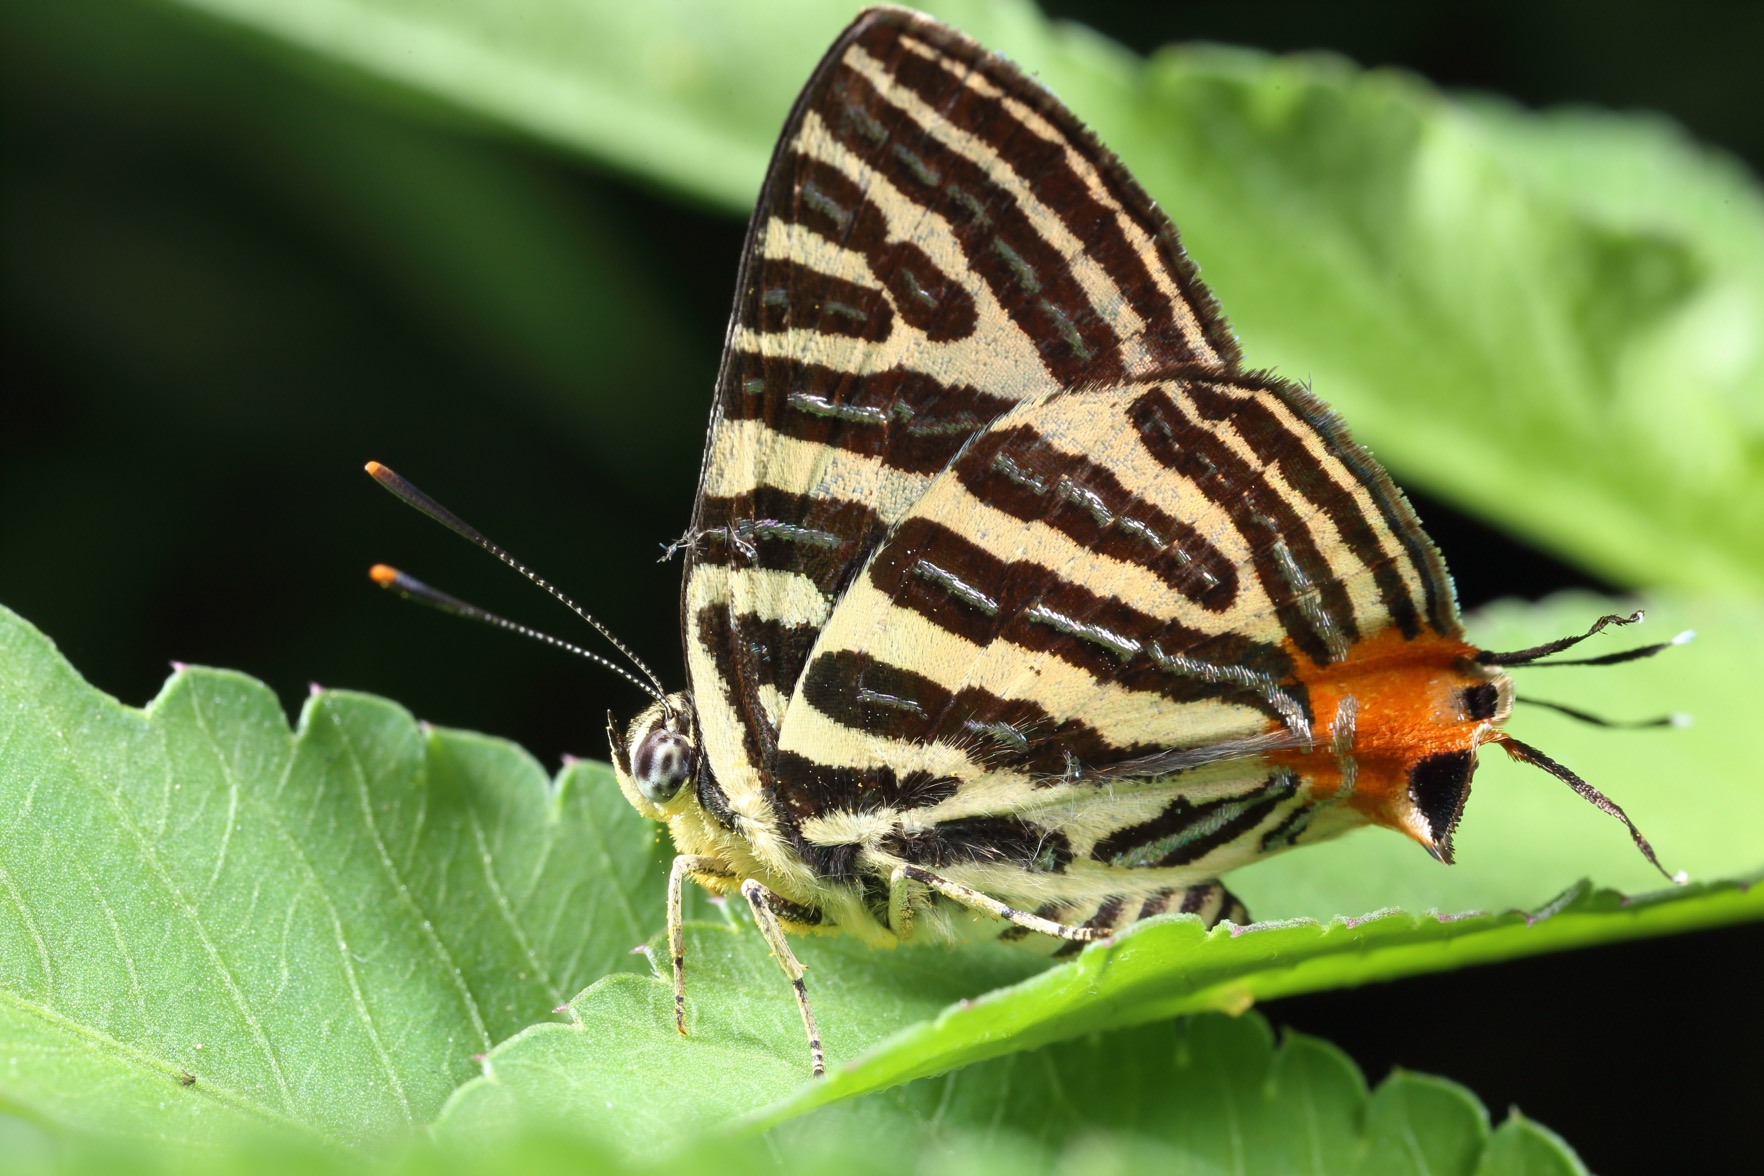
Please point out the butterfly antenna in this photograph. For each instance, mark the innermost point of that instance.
(1533, 656)
(408, 494)
(1527, 754)
(412, 588)
(1575, 713)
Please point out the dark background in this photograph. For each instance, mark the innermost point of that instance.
(231, 276)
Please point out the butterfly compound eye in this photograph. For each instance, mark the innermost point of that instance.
(662, 764)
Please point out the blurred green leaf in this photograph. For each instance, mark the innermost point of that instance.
(1546, 319)
(491, 257)
(1208, 1094)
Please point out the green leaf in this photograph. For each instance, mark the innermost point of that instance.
(1525, 841)
(1546, 319)
(1211, 1094)
(321, 928)
(206, 920)
(1208, 1094)
(622, 1066)
(1524, 1148)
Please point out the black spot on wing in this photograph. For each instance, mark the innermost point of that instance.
(1276, 447)
(910, 420)
(877, 697)
(812, 789)
(1288, 830)
(788, 296)
(1015, 470)
(827, 202)
(1439, 784)
(1186, 831)
(962, 587)
(999, 839)
(819, 538)
(1265, 519)
(740, 671)
(1481, 701)
(1049, 172)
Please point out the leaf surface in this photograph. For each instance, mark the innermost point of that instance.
(323, 927)
(1546, 319)
(206, 919)
(1210, 1095)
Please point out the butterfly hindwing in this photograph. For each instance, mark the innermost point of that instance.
(1106, 584)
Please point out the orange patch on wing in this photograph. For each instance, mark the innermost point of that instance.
(1408, 705)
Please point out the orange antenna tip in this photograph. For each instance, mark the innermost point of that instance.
(416, 590)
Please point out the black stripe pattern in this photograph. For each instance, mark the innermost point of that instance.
(987, 498)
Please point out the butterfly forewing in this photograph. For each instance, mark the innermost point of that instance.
(937, 240)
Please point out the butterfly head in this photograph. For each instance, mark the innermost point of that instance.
(656, 757)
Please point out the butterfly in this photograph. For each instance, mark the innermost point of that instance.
(1013, 604)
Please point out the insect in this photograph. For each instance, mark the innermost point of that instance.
(1013, 604)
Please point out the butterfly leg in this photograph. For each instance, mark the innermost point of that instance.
(758, 897)
(687, 864)
(900, 906)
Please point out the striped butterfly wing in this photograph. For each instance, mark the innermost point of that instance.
(1086, 646)
(938, 240)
